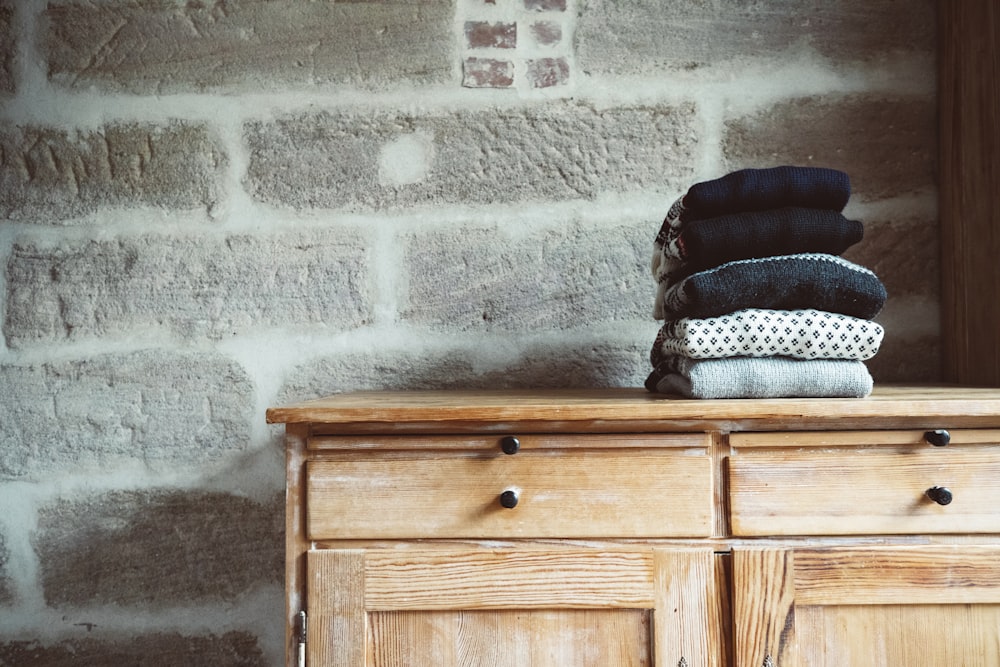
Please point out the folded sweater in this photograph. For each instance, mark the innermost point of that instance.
(766, 377)
(752, 332)
(703, 244)
(785, 282)
(750, 190)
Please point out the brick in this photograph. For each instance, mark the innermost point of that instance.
(545, 5)
(48, 174)
(159, 409)
(887, 145)
(192, 287)
(903, 253)
(554, 364)
(485, 35)
(681, 34)
(470, 279)
(8, 48)
(487, 73)
(158, 548)
(232, 649)
(559, 151)
(147, 46)
(548, 72)
(546, 33)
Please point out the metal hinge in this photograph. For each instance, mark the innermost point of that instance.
(301, 628)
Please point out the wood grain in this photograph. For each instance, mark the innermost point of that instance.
(969, 190)
(666, 493)
(636, 410)
(336, 598)
(814, 492)
(514, 578)
(763, 601)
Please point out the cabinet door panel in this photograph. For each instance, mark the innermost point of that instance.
(511, 638)
(893, 605)
(518, 606)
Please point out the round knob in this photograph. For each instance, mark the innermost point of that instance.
(939, 494)
(509, 499)
(510, 445)
(938, 437)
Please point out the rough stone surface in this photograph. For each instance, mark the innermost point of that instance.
(232, 649)
(887, 145)
(472, 279)
(49, 174)
(147, 46)
(638, 36)
(162, 409)
(157, 548)
(539, 365)
(192, 287)
(555, 151)
(8, 48)
(903, 253)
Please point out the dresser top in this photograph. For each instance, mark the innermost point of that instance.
(889, 406)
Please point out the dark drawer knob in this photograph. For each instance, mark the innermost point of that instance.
(938, 437)
(939, 494)
(509, 499)
(510, 445)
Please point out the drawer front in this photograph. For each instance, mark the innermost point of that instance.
(625, 493)
(897, 484)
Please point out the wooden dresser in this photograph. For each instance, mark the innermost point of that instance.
(616, 527)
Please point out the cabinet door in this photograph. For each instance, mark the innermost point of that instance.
(914, 606)
(513, 607)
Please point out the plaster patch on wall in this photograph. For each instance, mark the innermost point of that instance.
(406, 159)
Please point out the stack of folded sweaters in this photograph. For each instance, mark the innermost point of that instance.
(755, 299)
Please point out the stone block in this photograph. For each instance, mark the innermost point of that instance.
(684, 34)
(49, 174)
(553, 364)
(887, 145)
(198, 287)
(479, 279)
(152, 47)
(555, 151)
(161, 649)
(158, 548)
(159, 409)
(8, 48)
(903, 253)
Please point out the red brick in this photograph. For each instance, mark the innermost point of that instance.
(488, 73)
(482, 34)
(545, 5)
(546, 33)
(548, 72)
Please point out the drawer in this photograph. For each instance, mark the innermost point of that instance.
(560, 492)
(863, 483)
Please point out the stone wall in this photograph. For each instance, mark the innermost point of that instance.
(210, 207)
